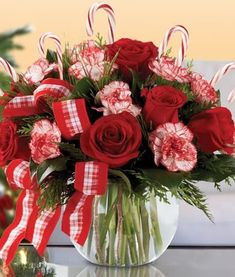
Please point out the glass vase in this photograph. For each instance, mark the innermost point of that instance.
(128, 230)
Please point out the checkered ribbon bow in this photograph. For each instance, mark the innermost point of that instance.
(35, 104)
(36, 226)
(29, 223)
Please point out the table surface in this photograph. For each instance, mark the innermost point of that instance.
(175, 262)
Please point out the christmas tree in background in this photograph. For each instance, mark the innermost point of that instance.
(7, 44)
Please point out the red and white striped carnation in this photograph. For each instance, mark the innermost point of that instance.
(172, 147)
(90, 62)
(116, 98)
(45, 137)
(166, 68)
(202, 89)
(38, 70)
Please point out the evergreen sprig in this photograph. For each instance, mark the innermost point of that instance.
(71, 151)
(54, 191)
(26, 123)
(191, 194)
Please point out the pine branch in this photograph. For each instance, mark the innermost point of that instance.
(72, 151)
(54, 191)
(26, 123)
(7, 44)
(188, 192)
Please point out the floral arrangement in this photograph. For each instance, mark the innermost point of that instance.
(124, 114)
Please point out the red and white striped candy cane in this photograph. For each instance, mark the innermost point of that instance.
(111, 19)
(59, 51)
(218, 76)
(184, 43)
(9, 69)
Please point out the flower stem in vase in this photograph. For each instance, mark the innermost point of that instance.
(129, 228)
(120, 235)
(99, 254)
(145, 228)
(112, 196)
(136, 220)
(158, 243)
(89, 241)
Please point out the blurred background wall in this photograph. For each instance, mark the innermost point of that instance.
(211, 24)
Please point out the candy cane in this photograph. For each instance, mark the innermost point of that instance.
(59, 51)
(218, 76)
(9, 69)
(111, 19)
(184, 43)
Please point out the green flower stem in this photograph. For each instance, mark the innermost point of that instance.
(89, 241)
(112, 196)
(119, 226)
(145, 228)
(123, 251)
(129, 229)
(99, 253)
(136, 221)
(158, 243)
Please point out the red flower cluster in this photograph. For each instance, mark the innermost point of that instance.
(116, 136)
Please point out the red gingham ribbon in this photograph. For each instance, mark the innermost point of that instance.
(28, 223)
(18, 176)
(71, 117)
(34, 104)
(90, 180)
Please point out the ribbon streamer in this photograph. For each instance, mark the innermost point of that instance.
(29, 223)
(18, 176)
(91, 179)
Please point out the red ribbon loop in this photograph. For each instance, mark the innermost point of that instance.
(35, 104)
(90, 179)
(71, 117)
(29, 223)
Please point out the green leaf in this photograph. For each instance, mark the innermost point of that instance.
(72, 151)
(200, 174)
(32, 168)
(166, 178)
(82, 88)
(51, 56)
(49, 166)
(119, 174)
(215, 168)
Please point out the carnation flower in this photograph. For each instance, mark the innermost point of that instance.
(166, 68)
(38, 70)
(172, 147)
(116, 98)
(44, 139)
(202, 90)
(90, 62)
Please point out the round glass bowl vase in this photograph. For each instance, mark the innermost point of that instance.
(129, 231)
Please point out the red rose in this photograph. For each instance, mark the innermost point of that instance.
(12, 146)
(213, 129)
(132, 54)
(8, 141)
(113, 139)
(162, 105)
